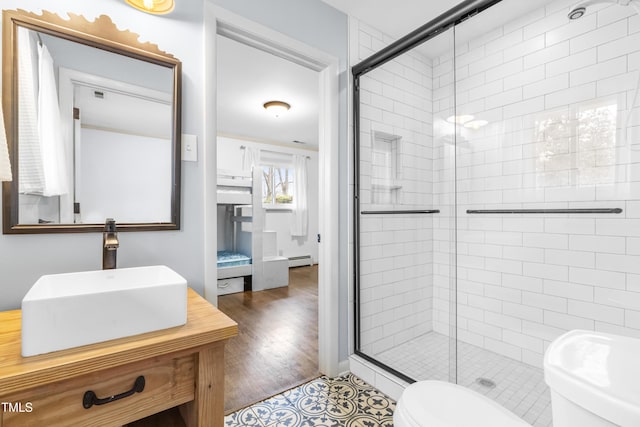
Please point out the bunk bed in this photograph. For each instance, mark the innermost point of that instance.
(234, 187)
(234, 258)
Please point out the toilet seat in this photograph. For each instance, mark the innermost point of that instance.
(443, 404)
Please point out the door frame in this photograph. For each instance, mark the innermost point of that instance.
(219, 21)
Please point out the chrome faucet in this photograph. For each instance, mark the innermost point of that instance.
(110, 244)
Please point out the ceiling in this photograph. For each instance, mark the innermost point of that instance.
(114, 92)
(249, 77)
(403, 16)
(394, 17)
(118, 111)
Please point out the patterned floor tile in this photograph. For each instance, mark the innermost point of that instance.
(244, 417)
(284, 415)
(345, 401)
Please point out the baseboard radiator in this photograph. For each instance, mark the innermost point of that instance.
(298, 261)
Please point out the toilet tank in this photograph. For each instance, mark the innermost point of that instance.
(594, 379)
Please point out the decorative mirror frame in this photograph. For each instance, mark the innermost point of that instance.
(103, 34)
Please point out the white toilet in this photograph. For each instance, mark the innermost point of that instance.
(443, 404)
(594, 380)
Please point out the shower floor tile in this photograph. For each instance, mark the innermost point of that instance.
(518, 387)
(345, 401)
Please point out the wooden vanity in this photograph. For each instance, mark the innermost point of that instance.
(181, 366)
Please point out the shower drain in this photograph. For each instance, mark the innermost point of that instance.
(486, 382)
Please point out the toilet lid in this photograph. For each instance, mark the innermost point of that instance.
(442, 404)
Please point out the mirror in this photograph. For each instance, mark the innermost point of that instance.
(93, 125)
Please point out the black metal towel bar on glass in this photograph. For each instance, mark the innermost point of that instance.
(546, 211)
(424, 211)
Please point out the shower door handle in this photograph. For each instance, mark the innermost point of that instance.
(546, 211)
(401, 212)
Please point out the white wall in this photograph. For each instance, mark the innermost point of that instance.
(230, 157)
(34, 208)
(123, 176)
(24, 258)
(525, 279)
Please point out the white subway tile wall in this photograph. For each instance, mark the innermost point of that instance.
(555, 94)
(396, 251)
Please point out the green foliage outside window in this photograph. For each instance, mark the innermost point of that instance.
(277, 185)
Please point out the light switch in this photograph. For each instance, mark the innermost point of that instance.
(189, 148)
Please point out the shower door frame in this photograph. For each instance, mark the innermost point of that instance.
(431, 29)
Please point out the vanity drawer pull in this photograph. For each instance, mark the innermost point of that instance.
(91, 399)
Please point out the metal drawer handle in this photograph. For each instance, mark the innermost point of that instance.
(91, 399)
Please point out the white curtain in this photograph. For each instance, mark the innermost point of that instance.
(251, 158)
(52, 149)
(30, 174)
(5, 165)
(300, 213)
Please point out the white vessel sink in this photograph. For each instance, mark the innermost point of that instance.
(62, 311)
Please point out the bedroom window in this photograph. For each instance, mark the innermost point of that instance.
(277, 186)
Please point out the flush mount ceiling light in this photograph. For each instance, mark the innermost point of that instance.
(460, 120)
(157, 7)
(476, 124)
(276, 108)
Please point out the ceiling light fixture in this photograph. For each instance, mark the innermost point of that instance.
(460, 120)
(476, 124)
(157, 7)
(276, 108)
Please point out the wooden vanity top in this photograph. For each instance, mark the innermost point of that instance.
(205, 326)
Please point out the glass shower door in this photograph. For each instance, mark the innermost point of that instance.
(404, 213)
(500, 98)
(546, 191)
(497, 201)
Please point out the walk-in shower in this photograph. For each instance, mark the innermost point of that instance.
(497, 191)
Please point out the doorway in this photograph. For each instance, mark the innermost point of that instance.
(276, 304)
(221, 22)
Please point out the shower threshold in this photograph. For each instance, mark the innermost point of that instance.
(519, 387)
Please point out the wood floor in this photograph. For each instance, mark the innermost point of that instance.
(276, 347)
(277, 344)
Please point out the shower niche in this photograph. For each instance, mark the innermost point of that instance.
(386, 168)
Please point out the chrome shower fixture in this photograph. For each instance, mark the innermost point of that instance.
(578, 10)
(577, 13)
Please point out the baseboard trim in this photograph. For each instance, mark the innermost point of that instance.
(377, 377)
(343, 367)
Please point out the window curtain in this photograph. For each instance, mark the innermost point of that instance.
(30, 174)
(251, 158)
(52, 148)
(300, 213)
(5, 165)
